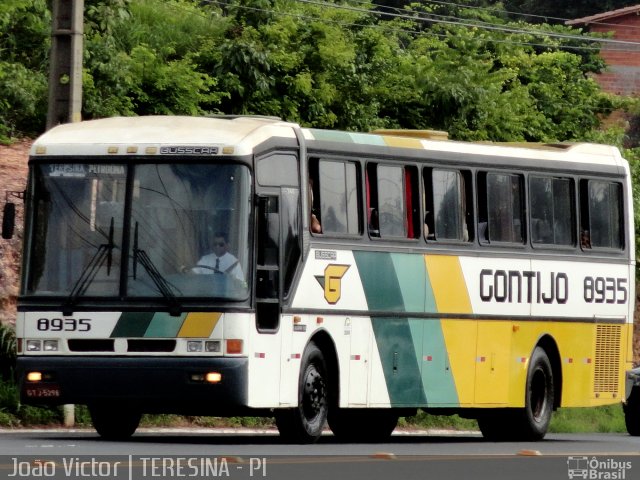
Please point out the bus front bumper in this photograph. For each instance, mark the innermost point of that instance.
(154, 384)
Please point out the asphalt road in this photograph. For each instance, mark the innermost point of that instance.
(241, 454)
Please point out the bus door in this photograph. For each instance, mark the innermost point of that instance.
(278, 253)
(277, 260)
(268, 264)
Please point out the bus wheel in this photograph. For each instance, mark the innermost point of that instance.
(304, 424)
(539, 398)
(632, 412)
(113, 422)
(356, 425)
(531, 422)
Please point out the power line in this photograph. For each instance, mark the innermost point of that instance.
(423, 32)
(484, 25)
(520, 14)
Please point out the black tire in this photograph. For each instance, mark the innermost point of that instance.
(531, 422)
(356, 425)
(632, 413)
(496, 425)
(305, 423)
(114, 422)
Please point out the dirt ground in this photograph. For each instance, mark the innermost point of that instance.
(13, 175)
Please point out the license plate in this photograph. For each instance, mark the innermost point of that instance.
(42, 391)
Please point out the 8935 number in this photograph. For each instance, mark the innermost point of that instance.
(605, 290)
(64, 324)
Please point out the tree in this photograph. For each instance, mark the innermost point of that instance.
(24, 43)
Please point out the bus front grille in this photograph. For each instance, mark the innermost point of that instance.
(91, 345)
(143, 345)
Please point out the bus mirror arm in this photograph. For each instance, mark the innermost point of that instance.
(9, 214)
(8, 220)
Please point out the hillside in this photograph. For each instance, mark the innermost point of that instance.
(13, 177)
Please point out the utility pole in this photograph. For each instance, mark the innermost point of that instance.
(65, 70)
(65, 82)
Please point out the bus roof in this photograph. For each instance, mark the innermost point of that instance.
(240, 135)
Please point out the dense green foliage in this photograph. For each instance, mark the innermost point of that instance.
(333, 65)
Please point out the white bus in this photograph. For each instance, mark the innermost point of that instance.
(248, 266)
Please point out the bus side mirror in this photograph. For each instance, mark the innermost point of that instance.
(8, 220)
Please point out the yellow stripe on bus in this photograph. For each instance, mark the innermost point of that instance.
(199, 324)
(451, 296)
(447, 283)
(403, 142)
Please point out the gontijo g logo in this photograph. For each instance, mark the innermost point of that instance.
(332, 282)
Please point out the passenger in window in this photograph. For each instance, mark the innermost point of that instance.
(220, 261)
(314, 223)
(585, 239)
(429, 231)
(374, 222)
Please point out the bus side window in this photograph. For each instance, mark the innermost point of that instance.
(447, 212)
(552, 210)
(337, 192)
(601, 222)
(392, 201)
(500, 202)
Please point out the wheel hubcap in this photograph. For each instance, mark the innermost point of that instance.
(314, 394)
(538, 395)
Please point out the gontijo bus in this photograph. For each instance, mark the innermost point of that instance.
(380, 274)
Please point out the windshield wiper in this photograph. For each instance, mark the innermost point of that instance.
(104, 253)
(139, 255)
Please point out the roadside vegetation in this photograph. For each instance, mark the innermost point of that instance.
(355, 66)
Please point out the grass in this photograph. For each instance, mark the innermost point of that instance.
(608, 419)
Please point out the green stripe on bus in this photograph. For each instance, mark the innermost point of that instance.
(437, 376)
(411, 273)
(399, 362)
(394, 338)
(410, 349)
(132, 324)
(164, 325)
(331, 136)
(379, 281)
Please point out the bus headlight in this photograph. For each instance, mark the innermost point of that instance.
(194, 346)
(34, 345)
(212, 346)
(50, 345)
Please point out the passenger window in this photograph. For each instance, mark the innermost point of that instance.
(552, 211)
(601, 214)
(500, 208)
(338, 192)
(446, 207)
(392, 201)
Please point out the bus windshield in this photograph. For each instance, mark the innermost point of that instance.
(187, 227)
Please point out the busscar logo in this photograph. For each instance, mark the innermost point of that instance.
(331, 282)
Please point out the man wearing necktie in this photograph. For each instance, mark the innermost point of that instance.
(220, 261)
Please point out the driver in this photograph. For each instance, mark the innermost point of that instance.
(220, 261)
